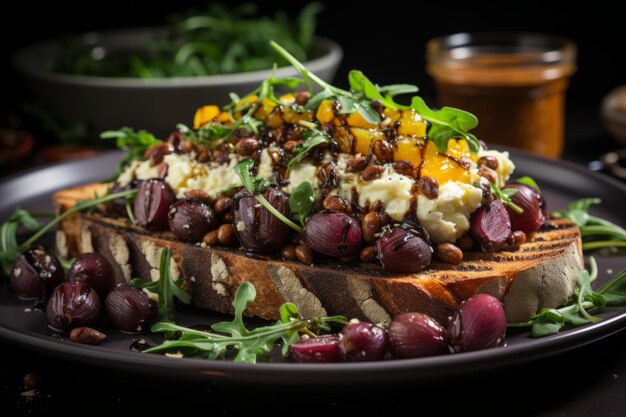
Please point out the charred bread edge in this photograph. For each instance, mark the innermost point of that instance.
(542, 273)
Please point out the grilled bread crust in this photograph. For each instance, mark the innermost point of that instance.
(542, 273)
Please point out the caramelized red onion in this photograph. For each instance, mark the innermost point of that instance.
(94, 270)
(362, 341)
(73, 304)
(152, 203)
(413, 335)
(528, 199)
(403, 252)
(130, 310)
(333, 234)
(257, 229)
(319, 349)
(190, 219)
(36, 273)
(479, 323)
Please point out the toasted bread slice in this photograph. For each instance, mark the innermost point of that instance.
(542, 273)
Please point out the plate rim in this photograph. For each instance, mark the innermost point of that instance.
(342, 373)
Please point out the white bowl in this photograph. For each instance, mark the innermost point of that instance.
(156, 105)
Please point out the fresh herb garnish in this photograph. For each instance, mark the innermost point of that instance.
(249, 344)
(134, 143)
(596, 232)
(253, 184)
(446, 123)
(526, 180)
(577, 310)
(206, 134)
(301, 201)
(256, 185)
(166, 287)
(313, 138)
(505, 195)
(10, 249)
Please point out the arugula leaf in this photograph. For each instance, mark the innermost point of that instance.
(366, 111)
(505, 195)
(526, 180)
(301, 201)
(313, 138)
(393, 90)
(315, 101)
(9, 248)
(207, 134)
(578, 211)
(166, 287)
(614, 291)
(596, 232)
(346, 105)
(306, 23)
(447, 123)
(576, 312)
(585, 293)
(246, 293)
(135, 144)
(545, 327)
(360, 83)
(250, 345)
(288, 313)
(252, 184)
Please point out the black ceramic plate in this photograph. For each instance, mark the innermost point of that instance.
(561, 182)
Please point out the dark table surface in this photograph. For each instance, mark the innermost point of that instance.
(587, 381)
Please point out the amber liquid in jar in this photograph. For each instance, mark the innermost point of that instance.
(514, 84)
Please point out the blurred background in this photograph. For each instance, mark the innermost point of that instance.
(386, 40)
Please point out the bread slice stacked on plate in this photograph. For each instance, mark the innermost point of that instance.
(541, 273)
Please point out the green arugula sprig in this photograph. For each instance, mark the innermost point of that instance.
(166, 287)
(446, 123)
(596, 232)
(206, 134)
(505, 195)
(301, 201)
(134, 143)
(577, 310)
(10, 249)
(312, 138)
(250, 345)
(526, 180)
(256, 185)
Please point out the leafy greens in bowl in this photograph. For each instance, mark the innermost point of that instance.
(153, 103)
(219, 41)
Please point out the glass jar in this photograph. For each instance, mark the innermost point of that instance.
(514, 83)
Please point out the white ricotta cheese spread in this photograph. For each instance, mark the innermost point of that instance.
(446, 218)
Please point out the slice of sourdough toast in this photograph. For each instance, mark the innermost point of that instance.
(542, 273)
